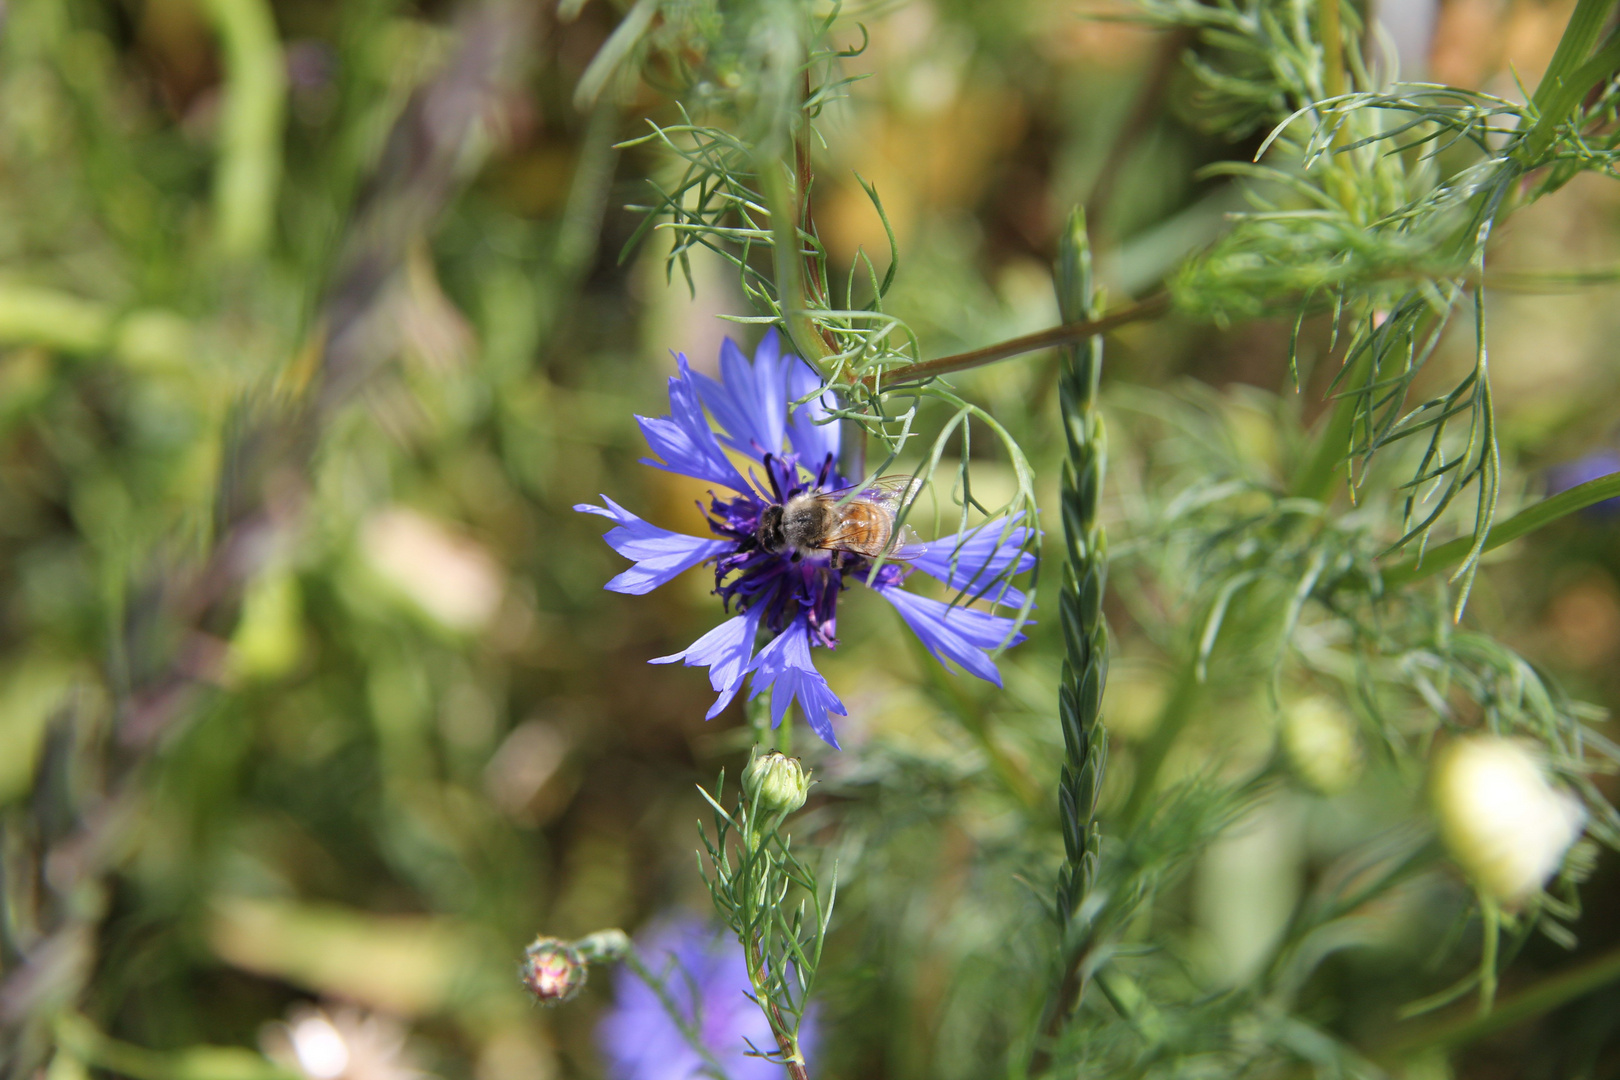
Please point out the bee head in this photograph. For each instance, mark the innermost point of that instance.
(769, 533)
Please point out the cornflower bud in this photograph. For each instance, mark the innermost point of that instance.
(1504, 823)
(553, 970)
(777, 781)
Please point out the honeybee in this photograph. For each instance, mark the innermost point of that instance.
(858, 520)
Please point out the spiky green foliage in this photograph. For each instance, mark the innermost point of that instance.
(1379, 203)
(772, 901)
(1085, 632)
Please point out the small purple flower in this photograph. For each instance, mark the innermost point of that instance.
(790, 596)
(704, 969)
(1593, 466)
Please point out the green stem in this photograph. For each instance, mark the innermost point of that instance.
(56, 320)
(1178, 709)
(1329, 26)
(946, 689)
(1542, 998)
(673, 1009)
(1521, 524)
(251, 126)
(1491, 917)
(786, 251)
(787, 1043)
(1561, 88)
(784, 734)
(1315, 479)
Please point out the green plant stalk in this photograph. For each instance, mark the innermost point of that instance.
(1568, 77)
(784, 734)
(82, 1041)
(1539, 999)
(787, 1043)
(1331, 28)
(1560, 90)
(1315, 480)
(947, 691)
(56, 320)
(1085, 632)
(1523, 523)
(249, 170)
(757, 840)
(788, 260)
(613, 54)
(1491, 916)
(672, 1009)
(1173, 717)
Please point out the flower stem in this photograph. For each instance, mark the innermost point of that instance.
(1067, 334)
(1331, 29)
(249, 169)
(1491, 916)
(1173, 717)
(684, 1023)
(1315, 480)
(788, 260)
(1568, 76)
(784, 735)
(781, 1030)
(947, 691)
(1539, 999)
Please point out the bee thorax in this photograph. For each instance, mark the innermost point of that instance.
(804, 523)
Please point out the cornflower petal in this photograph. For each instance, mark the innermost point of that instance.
(976, 561)
(750, 400)
(812, 441)
(784, 665)
(725, 651)
(658, 553)
(684, 439)
(705, 976)
(951, 633)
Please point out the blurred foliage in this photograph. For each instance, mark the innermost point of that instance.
(313, 327)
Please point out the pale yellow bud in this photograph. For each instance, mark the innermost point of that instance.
(1500, 817)
(777, 781)
(1319, 737)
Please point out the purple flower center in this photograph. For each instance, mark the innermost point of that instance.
(784, 583)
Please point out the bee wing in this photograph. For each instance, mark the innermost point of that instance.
(886, 493)
(889, 492)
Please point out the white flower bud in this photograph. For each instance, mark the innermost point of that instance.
(777, 781)
(1504, 823)
(1320, 740)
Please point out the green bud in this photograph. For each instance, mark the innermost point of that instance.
(604, 945)
(777, 781)
(553, 970)
(1319, 737)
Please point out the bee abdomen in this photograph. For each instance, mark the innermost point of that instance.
(864, 529)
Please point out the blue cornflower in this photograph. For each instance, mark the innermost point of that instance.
(701, 968)
(1593, 466)
(792, 596)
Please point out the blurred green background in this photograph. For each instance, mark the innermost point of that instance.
(313, 328)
